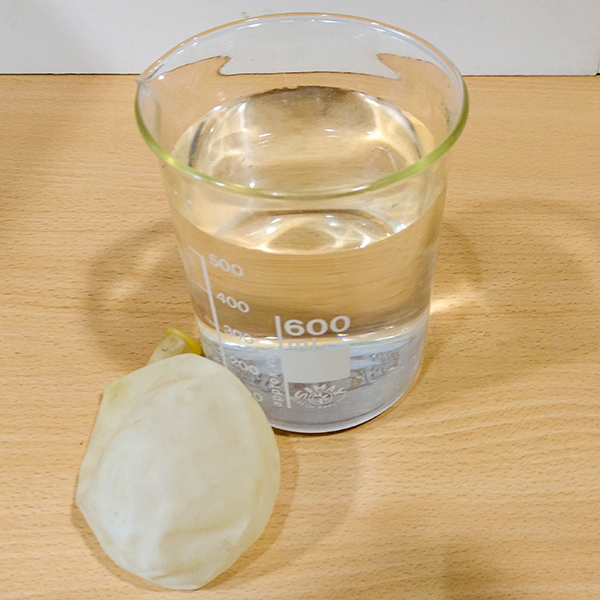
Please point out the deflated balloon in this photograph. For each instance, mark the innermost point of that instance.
(181, 472)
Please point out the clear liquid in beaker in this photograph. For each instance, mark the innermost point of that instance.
(339, 292)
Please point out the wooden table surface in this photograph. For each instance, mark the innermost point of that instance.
(482, 484)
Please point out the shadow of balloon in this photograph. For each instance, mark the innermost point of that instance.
(323, 466)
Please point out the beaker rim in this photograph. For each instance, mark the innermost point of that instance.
(410, 170)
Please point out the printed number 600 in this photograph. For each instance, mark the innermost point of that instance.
(316, 327)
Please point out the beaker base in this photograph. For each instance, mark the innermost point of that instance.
(324, 388)
(322, 428)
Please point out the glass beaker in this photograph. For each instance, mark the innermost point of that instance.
(303, 158)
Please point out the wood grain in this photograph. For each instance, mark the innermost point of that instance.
(482, 484)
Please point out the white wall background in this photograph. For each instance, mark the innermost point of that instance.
(495, 37)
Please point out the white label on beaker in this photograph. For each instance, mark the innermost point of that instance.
(315, 365)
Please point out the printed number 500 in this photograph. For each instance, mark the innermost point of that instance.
(225, 265)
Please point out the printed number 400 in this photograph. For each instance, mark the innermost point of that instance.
(233, 303)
